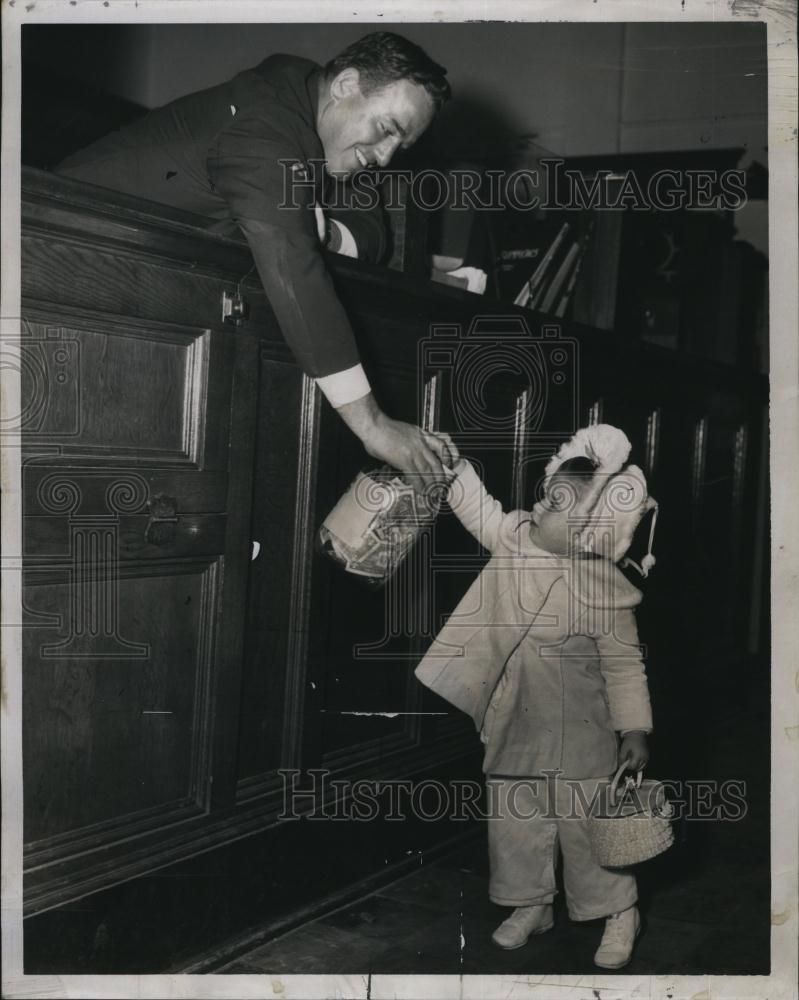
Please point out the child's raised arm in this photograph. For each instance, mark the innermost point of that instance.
(474, 507)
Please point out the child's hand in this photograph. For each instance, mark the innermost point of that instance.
(451, 453)
(634, 751)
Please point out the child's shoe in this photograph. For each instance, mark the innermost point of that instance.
(521, 924)
(616, 947)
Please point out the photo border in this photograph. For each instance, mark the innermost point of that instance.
(780, 18)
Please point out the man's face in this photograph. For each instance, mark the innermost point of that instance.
(360, 131)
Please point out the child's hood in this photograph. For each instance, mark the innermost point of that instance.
(611, 524)
(598, 583)
(619, 496)
(591, 578)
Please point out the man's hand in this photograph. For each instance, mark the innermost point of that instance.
(404, 446)
(634, 751)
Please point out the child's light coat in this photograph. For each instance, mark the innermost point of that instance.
(559, 637)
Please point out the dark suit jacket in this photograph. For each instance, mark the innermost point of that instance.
(218, 153)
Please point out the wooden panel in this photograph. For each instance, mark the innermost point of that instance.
(133, 644)
(51, 540)
(630, 412)
(103, 489)
(140, 389)
(120, 700)
(718, 543)
(123, 265)
(266, 657)
(55, 207)
(126, 389)
(82, 275)
(408, 224)
(345, 614)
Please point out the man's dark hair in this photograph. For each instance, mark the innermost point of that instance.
(382, 58)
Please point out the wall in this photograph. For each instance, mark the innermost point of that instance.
(693, 87)
(577, 89)
(117, 59)
(537, 79)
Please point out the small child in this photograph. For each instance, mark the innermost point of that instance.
(543, 653)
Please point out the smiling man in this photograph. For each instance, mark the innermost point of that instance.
(222, 153)
(362, 118)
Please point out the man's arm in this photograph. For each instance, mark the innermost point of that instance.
(300, 292)
(405, 446)
(286, 249)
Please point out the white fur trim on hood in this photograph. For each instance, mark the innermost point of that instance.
(617, 500)
(614, 517)
(606, 446)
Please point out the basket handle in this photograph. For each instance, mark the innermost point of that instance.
(614, 785)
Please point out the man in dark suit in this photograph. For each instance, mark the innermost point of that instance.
(250, 151)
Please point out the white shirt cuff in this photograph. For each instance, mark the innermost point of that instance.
(348, 247)
(345, 387)
(320, 222)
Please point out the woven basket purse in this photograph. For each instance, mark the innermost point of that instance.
(630, 825)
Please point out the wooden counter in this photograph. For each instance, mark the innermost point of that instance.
(169, 679)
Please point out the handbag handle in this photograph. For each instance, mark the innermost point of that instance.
(614, 785)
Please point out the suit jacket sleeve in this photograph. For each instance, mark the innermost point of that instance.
(624, 674)
(245, 168)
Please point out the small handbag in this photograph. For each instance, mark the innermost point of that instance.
(630, 825)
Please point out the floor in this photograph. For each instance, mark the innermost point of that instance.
(705, 905)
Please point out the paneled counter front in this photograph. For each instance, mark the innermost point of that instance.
(186, 705)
